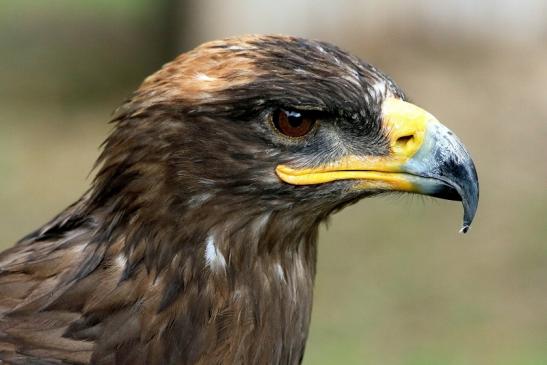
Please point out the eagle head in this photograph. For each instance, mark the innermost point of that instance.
(274, 124)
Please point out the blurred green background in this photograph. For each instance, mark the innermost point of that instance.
(396, 283)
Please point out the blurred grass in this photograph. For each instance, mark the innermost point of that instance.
(396, 284)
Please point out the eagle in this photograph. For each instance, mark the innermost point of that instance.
(197, 240)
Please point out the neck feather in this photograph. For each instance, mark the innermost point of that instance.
(222, 283)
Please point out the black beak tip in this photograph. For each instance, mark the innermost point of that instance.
(461, 187)
(470, 203)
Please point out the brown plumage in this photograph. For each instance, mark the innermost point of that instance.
(188, 248)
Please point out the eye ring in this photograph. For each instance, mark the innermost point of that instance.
(293, 124)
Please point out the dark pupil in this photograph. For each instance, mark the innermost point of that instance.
(294, 118)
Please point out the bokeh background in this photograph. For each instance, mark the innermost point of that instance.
(396, 283)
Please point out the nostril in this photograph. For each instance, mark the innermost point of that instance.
(404, 140)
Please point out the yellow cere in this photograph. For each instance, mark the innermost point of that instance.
(405, 125)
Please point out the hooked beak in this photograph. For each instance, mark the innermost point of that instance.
(425, 157)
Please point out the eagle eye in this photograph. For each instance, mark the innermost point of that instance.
(293, 123)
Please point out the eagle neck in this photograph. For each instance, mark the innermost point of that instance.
(224, 283)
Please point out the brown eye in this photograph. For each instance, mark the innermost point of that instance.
(293, 123)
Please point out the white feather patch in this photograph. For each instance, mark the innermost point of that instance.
(121, 261)
(204, 77)
(213, 257)
(279, 272)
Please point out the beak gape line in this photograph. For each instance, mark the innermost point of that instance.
(425, 158)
